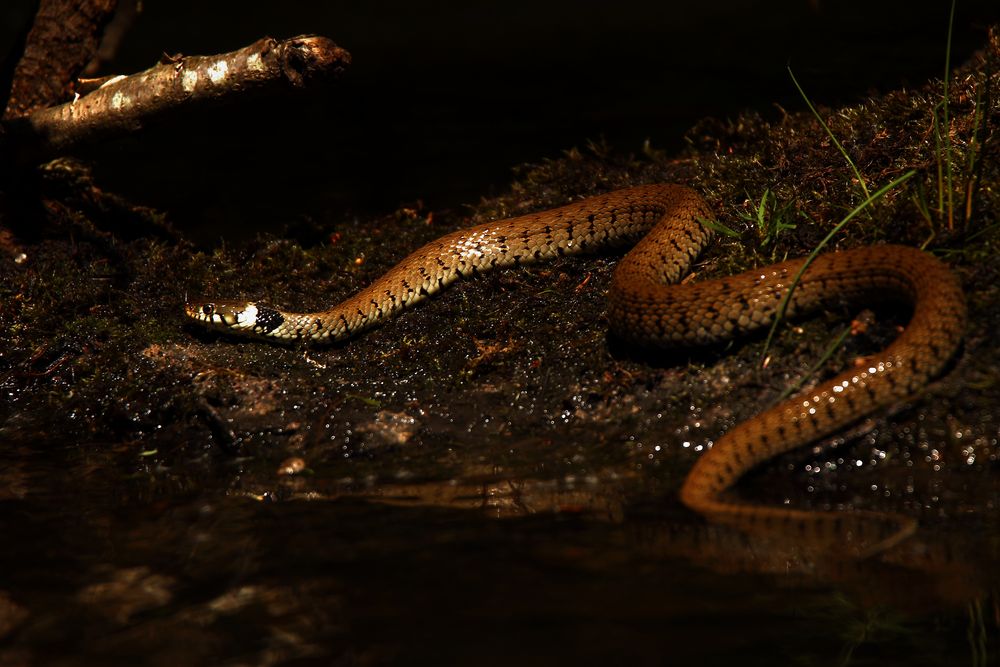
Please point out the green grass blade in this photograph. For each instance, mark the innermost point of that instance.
(833, 347)
(947, 124)
(717, 226)
(940, 160)
(829, 132)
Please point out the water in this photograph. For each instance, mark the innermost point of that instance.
(99, 567)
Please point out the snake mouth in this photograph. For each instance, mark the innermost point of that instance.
(198, 310)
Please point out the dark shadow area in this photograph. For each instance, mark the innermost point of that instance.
(441, 102)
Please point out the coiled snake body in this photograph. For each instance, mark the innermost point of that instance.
(647, 307)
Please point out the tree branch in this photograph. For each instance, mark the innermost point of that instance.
(126, 104)
(63, 39)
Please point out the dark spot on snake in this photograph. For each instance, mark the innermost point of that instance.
(268, 320)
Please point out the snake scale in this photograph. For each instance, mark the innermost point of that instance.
(647, 306)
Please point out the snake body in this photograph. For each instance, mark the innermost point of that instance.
(646, 306)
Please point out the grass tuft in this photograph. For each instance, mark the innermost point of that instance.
(770, 218)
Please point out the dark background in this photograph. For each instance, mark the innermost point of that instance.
(442, 101)
(440, 105)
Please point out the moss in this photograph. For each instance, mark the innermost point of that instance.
(509, 376)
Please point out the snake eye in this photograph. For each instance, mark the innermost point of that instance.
(208, 309)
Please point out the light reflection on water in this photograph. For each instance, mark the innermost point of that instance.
(97, 570)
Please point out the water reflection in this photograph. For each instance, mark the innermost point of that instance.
(312, 572)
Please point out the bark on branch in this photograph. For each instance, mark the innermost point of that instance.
(63, 39)
(126, 104)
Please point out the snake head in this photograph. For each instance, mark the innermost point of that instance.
(238, 316)
(223, 314)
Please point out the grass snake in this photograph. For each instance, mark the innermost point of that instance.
(647, 306)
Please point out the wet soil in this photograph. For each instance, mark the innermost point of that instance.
(489, 477)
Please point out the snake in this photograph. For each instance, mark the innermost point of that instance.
(668, 227)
